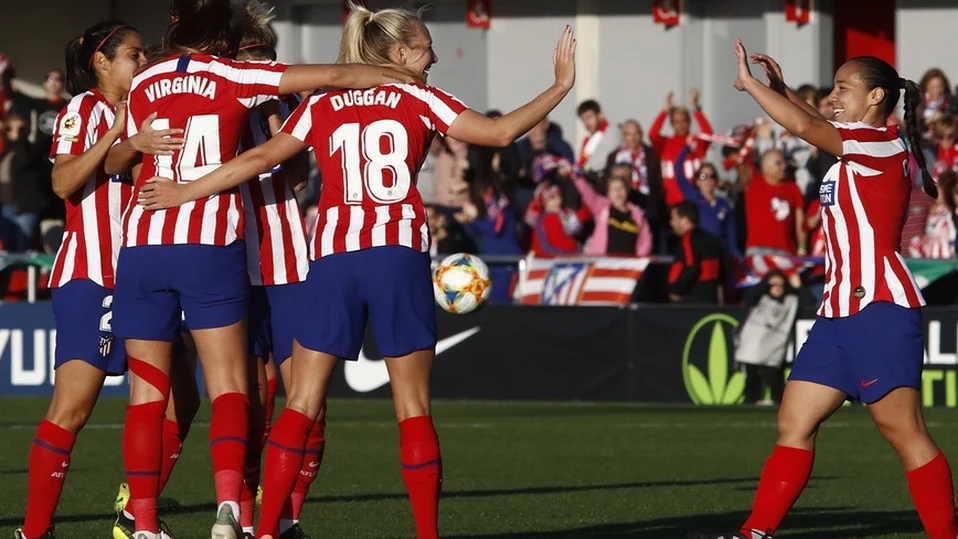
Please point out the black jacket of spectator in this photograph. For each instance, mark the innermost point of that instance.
(28, 192)
(696, 273)
(653, 204)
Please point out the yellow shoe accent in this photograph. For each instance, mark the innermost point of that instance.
(122, 497)
(259, 495)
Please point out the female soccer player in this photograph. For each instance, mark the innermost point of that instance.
(277, 261)
(188, 259)
(371, 251)
(867, 342)
(100, 66)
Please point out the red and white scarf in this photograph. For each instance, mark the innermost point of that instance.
(640, 171)
(590, 143)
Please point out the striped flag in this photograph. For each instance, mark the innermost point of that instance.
(580, 280)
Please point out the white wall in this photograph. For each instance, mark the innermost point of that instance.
(925, 38)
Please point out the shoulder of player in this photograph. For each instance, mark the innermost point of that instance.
(77, 112)
(864, 132)
(152, 71)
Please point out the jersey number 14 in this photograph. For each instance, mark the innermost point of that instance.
(365, 162)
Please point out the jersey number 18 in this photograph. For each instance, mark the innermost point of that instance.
(370, 178)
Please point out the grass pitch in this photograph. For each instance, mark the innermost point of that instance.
(515, 471)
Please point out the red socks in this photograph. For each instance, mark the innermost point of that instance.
(173, 438)
(312, 460)
(142, 454)
(251, 474)
(49, 462)
(934, 497)
(228, 434)
(784, 477)
(284, 459)
(421, 472)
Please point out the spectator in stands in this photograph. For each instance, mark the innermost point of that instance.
(946, 132)
(556, 227)
(620, 226)
(6, 84)
(446, 239)
(598, 142)
(489, 220)
(716, 214)
(646, 170)
(544, 139)
(500, 165)
(696, 274)
(452, 162)
(774, 211)
(21, 193)
(762, 340)
(426, 178)
(936, 89)
(940, 229)
(669, 147)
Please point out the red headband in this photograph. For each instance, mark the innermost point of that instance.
(253, 46)
(107, 38)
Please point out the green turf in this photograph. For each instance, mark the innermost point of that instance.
(516, 470)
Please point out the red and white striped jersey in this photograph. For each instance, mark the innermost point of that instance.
(864, 198)
(94, 212)
(276, 247)
(210, 99)
(369, 146)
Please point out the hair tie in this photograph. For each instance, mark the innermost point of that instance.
(253, 46)
(107, 38)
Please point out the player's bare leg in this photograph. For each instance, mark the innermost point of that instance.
(419, 446)
(289, 527)
(75, 392)
(805, 406)
(309, 375)
(223, 353)
(899, 418)
(149, 363)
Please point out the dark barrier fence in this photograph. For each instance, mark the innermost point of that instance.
(642, 353)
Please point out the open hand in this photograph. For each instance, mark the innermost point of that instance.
(695, 94)
(161, 193)
(669, 102)
(119, 120)
(151, 141)
(773, 71)
(744, 74)
(564, 59)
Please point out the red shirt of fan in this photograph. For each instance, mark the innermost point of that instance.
(770, 214)
(210, 98)
(369, 146)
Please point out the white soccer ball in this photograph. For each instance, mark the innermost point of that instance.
(461, 283)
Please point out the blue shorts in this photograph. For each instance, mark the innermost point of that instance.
(865, 355)
(274, 312)
(157, 285)
(82, 313)
(391, 285)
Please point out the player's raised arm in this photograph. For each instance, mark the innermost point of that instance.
(159, 193)
(811, 128)
(475, 128)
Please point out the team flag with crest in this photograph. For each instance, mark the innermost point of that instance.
(580, 280)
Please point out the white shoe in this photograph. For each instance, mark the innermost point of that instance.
(226, 525)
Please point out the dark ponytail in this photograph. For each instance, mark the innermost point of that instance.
(913, 99)
(877, 73)
(201, 25)
(103, 37)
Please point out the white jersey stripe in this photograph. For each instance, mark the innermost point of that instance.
(155, 230)
(329, 231)
(894, 284)
(842, 271)
(405, 225)
(873, 149)
(357, 218)
(69, 261)
(866, 241)
(90, 230)
(379, 229)
(442, 111)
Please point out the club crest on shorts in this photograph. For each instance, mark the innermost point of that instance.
(106, 345)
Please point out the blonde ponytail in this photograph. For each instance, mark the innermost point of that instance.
(368, 36)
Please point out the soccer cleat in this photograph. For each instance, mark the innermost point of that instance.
(248, 535)
(226, 525)
(123, 528)
(294, 532)
(732, 535)
(123, 497)
(18, 534)
(259, 495)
